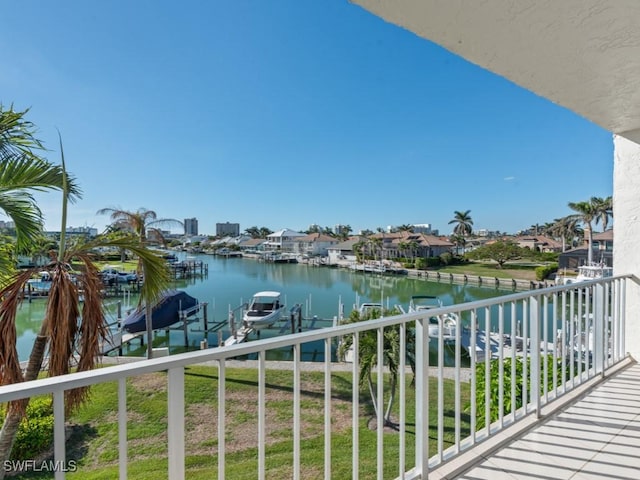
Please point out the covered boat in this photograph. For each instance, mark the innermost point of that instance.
(165, 312)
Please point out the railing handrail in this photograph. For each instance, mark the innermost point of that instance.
(21, 390)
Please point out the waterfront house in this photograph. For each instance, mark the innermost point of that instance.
(538, 243)
(314, 244)
(425, 245)
(405, 244)
(343, 253)
(252, 244)
(282, 241)
(602, 252)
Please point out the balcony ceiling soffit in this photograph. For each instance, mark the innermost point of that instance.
(581, 54)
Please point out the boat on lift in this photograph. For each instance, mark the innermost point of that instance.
(264, 310)
(172, 307)
(592, 271)
(449, 321)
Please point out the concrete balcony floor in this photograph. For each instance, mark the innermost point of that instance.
(595, 437)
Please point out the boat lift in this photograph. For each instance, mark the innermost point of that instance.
(118, 338)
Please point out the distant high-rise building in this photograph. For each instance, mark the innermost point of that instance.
(191, 226)
(422, 228)
(227, 229)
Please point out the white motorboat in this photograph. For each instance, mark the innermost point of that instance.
(449, 320)
(368, 308)
(264, 310)
(593, 271)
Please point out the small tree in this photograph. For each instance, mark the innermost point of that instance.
(368, 354)
(500, 251)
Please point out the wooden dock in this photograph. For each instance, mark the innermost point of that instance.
(188, 269)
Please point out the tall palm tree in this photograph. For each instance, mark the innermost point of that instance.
(61, 334)
(565, 229)
(604, 210)
(413, 247)
(376, 246)
(463, 224)
(403, 246)
(142, 222)
(587, 212)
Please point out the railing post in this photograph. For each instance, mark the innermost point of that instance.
(422, 397)
(534, 352)
(175, 424)
(122, 428)
(59, 438)
(598, 329)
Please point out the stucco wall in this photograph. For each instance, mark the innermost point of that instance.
(626, 247)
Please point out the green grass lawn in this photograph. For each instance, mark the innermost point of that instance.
(95, 441)
(522, 271)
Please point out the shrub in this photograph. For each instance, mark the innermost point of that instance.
(543, 271)
(35, 433)
(421, 263)
(447, 258)
(494, 405)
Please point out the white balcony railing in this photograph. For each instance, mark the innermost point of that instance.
(568, 334)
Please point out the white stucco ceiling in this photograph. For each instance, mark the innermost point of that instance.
(581, 54)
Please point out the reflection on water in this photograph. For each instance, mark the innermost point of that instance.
(232, 281)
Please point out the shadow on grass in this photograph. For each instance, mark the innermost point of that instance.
(77, 447)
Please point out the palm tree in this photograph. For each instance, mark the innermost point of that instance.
(142, 222)
(413, 247)
(61, 334)
(368, 356)
(403, 247)
(253, 232)
(376, 246)
(457, 240)
(565, 229)
(604, 210)
(358, 250)
(464, 224)
(22, 172)
(344, 232)
(587, 212)
(265, 232)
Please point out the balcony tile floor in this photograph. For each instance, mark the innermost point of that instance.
(596, 438)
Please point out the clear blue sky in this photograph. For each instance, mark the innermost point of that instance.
(285, 114)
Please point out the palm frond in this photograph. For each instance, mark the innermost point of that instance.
(17, 135)
(26, 215)
(152, 265)
(10, 297)
(34, 173)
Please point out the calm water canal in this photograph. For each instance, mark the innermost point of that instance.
(232, 281)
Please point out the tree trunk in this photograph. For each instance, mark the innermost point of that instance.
(392, 398)
(372, 392)
(15, 414)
